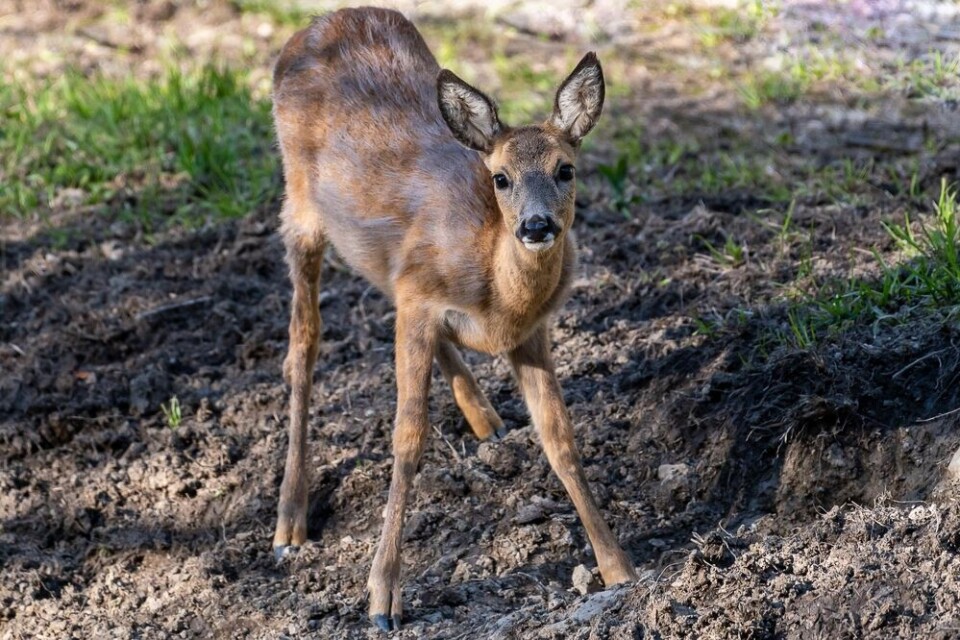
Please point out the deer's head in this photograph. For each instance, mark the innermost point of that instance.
(531, 167)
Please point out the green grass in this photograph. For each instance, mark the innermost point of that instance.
(526, 92)
(172, 412)
(933, 77)
(804, 72)
(926, 283)
(617, 178)
(740, 24)
(731, 254)
(190, 145)
(665, 166)
(523, 90)
(716, 25)
(933, 273)
(668, 166)
(768, 87)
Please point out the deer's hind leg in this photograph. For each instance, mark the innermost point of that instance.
(305, 243)
(477, 410)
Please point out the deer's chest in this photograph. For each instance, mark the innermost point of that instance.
(488, 333)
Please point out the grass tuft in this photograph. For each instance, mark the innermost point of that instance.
(190, 145)
(934, 269)
(617, 178)
(926, 283)
(932, 78)
(172, 412)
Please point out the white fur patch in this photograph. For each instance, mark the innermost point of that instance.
(543, 245)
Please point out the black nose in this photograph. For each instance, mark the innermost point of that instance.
(535, 229)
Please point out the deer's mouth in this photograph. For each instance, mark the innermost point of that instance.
(539, 245)
(538, 232)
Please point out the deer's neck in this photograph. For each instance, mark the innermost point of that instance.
(527, 282)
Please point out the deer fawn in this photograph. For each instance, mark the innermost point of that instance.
(462, 221)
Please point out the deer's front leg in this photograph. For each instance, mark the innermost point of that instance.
(534, 369)
(415, 347)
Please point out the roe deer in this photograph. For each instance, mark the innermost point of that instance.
(462, 221)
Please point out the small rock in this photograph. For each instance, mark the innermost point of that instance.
(530, 513)
(506, 459)
(920, 513)
(649, 576)
(953, 469)
(111, 250)
(487, 453)
(504, 627)
(122, 229)
(434, 618)
(597, 604)
(583, 580)
(68, 198)
(667, 472)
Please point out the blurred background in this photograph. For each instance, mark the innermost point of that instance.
(785, 100)
(761, 352)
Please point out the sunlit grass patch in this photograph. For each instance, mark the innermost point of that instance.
(525, 92)
(665, 167)
(933, 271)
(935, 76)
(770, 87)
(187, 144)
(810, 71)
(485, 54)
(926, 283)
(733, 24)
(799, 76)
(736, 22)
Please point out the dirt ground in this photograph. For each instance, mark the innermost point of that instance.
(799, 494)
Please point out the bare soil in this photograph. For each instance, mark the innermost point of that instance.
(763, 491)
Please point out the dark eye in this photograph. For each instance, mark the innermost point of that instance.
(565, 173)
(501, 181)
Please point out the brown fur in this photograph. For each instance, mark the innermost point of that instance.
(371, 164)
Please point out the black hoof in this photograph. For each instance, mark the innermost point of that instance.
(502, 433)
(396, 623)
(382, 622)
(283, 551)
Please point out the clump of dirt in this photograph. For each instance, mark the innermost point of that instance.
(763, 490)
(852, 572)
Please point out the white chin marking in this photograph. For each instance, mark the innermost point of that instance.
(539, 246)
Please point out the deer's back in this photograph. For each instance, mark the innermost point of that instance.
(363, 140)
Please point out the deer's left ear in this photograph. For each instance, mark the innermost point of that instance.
(579, 101)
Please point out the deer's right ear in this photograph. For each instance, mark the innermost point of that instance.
(471, 116)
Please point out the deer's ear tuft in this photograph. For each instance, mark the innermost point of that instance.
(471, 115)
